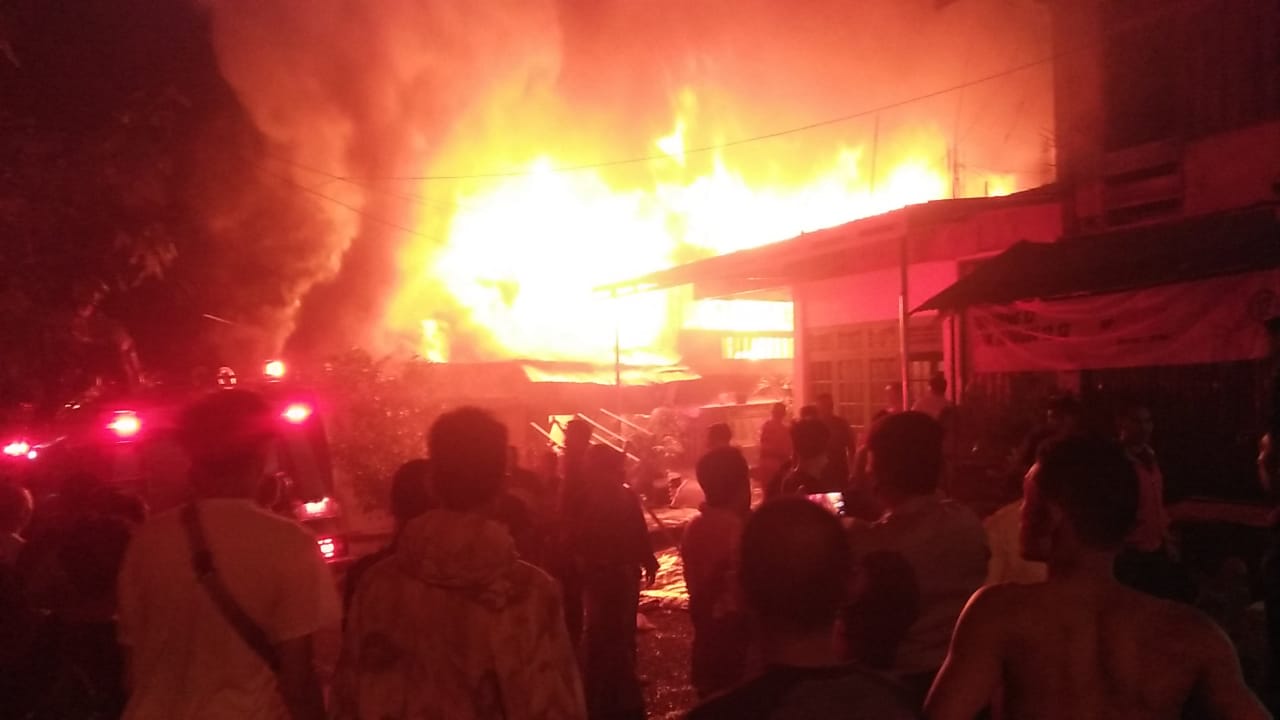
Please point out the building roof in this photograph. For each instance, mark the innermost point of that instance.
(512, 378)
(1217, 244)
(591, 374)
(831, 252)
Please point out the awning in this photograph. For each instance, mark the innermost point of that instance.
(1208, 246)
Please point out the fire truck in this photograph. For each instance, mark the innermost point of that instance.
(128, 439)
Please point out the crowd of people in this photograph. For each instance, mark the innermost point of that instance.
(854, 589)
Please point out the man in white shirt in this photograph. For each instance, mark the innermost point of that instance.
(187, 657)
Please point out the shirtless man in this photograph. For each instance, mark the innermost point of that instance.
(1081, 645)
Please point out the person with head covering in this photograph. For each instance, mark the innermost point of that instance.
(454, 624)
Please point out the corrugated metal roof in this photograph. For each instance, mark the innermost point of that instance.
(601, 375)
(1213, 245)
(825, 253)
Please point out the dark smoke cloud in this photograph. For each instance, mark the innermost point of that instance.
(406, 87)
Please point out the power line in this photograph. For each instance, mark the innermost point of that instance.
(357, 210)
(732, 143)
(1112, 31)
(366, 182)
(449, 204)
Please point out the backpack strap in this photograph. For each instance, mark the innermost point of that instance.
(207, 575)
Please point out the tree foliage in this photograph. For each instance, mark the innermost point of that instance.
(377, 419)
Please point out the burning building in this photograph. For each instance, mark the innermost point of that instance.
(484, 167)
(1144, 271)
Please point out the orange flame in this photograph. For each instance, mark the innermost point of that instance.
(519, 256)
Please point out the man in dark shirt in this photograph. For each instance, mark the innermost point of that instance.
(806, 474)
(611, 545)
(794, 569)
(76, 668)
(841, 443)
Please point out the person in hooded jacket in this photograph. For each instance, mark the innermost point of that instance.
(454, 624)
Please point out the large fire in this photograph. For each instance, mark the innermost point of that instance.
(570, 143)
(522, 253)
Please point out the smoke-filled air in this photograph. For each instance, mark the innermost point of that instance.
(480, 167)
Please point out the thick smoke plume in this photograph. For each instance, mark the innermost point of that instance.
(352, 95)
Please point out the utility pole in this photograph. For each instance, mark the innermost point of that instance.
(904, 365)
(617, 356)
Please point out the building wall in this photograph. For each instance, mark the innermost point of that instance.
(1077, 89)
(870, 296)
(1233, 169)
(847, 326)
(1156, 100)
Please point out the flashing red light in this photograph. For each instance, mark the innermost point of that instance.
(18, 448)
(296, 413)
(330, 547)
(274, 369)
(125, 424)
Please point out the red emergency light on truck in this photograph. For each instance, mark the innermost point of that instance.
(129, 441)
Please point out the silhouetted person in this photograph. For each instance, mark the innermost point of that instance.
(410, 498)
(719, 435)
(710, 552)
(548, 470)
(808, 470)
(775, 444)
(15, 512)
(611, 543)
(517, 514)
(522, 481)
(17, 619)
(1147, 562)
(577, 440)
(1004, 540)
(1271, 458)
(1269, 477)
(240, 590)
(1064, 417)
(1081, 645)
(76, 668)
(1135, 427)
(918, 563)
(935, 402)
(794, 573)
(842, 442)
(454, 624)
(892, 402)
(123, 504)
